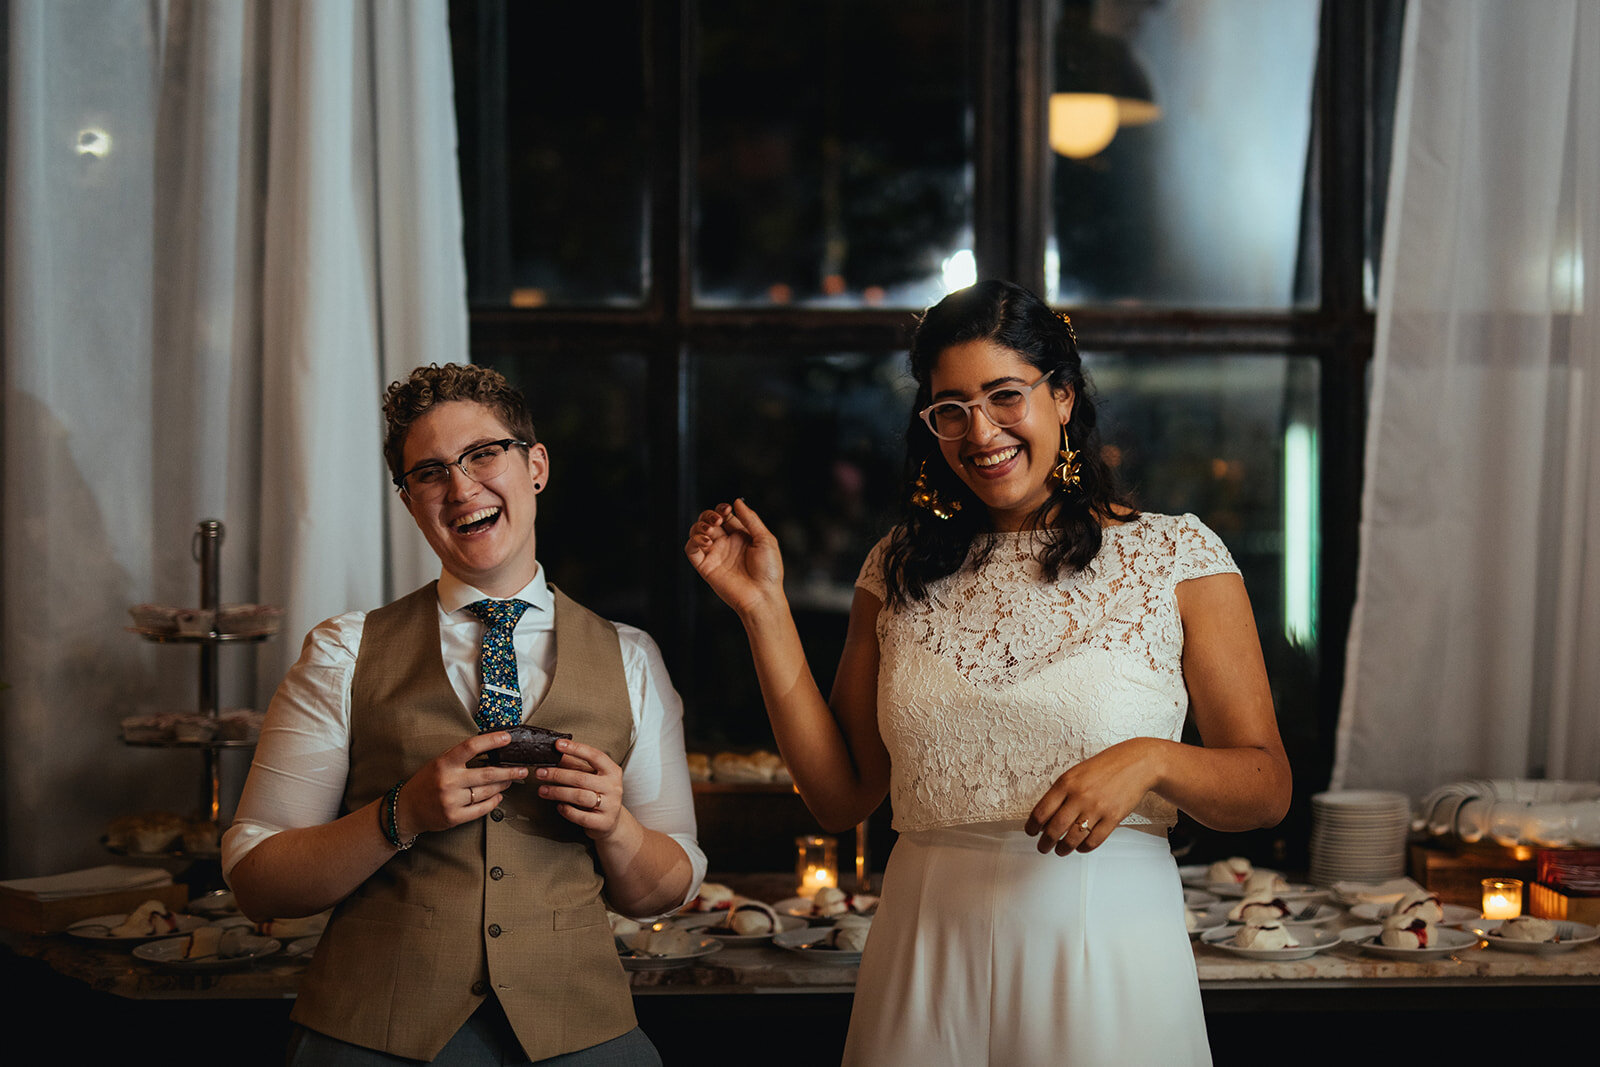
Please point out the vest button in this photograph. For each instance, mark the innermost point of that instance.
(494, 929)
(497, 815)
(496, 873)
(480, 989)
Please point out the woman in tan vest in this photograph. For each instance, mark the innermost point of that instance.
(469, 901)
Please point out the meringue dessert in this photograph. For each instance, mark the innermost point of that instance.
(830, 902)
(1258, 907)
(1265, 935)
(661, 940)
(1405, 931)
(1420, 904)
(747, 918)
(1231, 871)
(713, 896)
(849, 934)
(1529, 928)
(1266, 883)
(147, 920)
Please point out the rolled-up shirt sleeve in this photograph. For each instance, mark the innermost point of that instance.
(297, 778)
(655, 778)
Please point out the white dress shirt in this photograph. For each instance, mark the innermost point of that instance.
(298, 776)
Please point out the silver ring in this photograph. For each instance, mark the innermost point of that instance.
(1084, 826)
(473, 794)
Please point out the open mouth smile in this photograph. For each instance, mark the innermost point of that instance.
(476, 521)
(993, 462)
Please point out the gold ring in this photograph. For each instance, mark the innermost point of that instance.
(1084, 826)
(472, 794)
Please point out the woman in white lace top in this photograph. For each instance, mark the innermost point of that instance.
(1022, 652)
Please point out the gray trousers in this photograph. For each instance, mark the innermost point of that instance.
(485, 1040)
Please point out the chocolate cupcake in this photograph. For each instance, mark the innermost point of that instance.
(531, 746)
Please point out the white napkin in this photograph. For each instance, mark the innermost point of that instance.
(88, 882)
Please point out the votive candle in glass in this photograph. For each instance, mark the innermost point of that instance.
(1502, 898)
(816, 864)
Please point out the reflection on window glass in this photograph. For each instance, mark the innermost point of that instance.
(587, 412)
(1232, 439)
(553, 134)
(1201, 203)
(816, 446)
(835, 159)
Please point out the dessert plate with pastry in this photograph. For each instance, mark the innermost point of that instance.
(662, 946)
(839, 944)
(1530, 934)
(1435, 943)
(1449, 914)
(827, 905)
(1271, 941)
(209, 948)
(147, 922)
(749, 922)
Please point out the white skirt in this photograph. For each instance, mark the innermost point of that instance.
(985, 952)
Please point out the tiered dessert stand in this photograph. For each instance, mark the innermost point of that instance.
(207, 551)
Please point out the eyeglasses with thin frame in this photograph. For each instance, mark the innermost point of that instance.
(1004, 405)
(427, 481)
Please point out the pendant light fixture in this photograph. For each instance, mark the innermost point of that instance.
(1099, 87)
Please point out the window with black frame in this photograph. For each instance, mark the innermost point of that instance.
(698, 234)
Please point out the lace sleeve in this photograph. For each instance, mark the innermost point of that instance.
(871, 576)
(1200, 551)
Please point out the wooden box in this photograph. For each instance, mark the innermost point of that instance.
(1456, 872)
(24, 912)
(1548, 902)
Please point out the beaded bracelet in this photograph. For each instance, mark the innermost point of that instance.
(389, 821)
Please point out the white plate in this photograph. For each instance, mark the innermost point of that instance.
(704, 947)
(710, 924)
(1312, 941)
(1214, 917)
(800, 908)
(169, 953)
(99, 929)
(1571, 934)
(220, 902)
(1320, 915)
(1454, 914)
(1198, 898)
(1449, 941)
(1293, 892)
(802, 941)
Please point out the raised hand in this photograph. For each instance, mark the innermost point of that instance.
(732, 549)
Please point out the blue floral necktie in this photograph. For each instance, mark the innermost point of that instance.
(499, 699)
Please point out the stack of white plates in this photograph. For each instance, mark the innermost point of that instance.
(1358, 836)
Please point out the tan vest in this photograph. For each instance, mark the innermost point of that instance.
(509, 903)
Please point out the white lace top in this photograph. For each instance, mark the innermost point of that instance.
(998, 682)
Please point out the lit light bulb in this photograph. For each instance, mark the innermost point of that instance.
(1082, 124)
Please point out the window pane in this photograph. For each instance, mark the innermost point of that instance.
(587, 409)
(816, 446)
(1233, 439)
(1201, 206)
(834, 164)
(553, 134)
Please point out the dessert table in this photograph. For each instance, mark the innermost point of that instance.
(1338, 995)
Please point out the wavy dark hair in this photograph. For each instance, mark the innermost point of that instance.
(1067, 527)
(406, 400)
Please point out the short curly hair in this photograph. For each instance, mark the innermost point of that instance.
(405, 401)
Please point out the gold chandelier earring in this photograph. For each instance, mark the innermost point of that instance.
(924, 495)
(1065, 474)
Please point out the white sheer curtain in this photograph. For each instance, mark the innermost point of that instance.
(228, 225)
(1475, 647)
